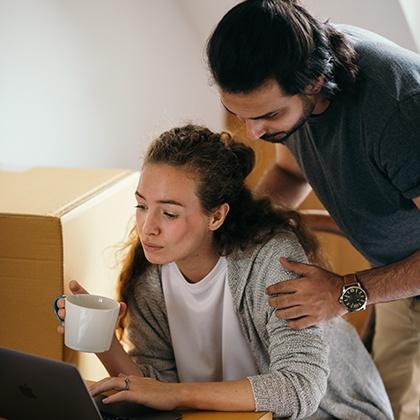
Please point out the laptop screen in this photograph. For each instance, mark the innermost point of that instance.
(34, 387)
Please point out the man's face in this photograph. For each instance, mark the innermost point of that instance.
(268, 113)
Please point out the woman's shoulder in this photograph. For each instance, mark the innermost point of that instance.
(281, 244)
(258, 266)
(284, 244)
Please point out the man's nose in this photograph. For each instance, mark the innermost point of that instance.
(255, 129)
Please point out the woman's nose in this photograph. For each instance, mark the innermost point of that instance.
(150, 225)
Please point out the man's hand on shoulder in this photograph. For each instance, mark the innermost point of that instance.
(308, 300)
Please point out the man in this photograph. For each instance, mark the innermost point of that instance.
(343, 106)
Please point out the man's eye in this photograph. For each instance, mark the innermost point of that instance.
(141, 206)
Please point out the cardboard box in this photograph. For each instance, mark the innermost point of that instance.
(56, 225)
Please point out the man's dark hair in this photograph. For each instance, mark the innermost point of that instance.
(259, 40)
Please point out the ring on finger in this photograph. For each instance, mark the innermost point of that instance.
(127, 384)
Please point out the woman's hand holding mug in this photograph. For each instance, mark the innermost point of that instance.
(60, 303)
(89, 319)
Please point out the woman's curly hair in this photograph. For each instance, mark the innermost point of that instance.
(220, 165)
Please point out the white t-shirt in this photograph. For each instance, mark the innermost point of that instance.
(206, 335)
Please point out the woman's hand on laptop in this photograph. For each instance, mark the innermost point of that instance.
(136, 389)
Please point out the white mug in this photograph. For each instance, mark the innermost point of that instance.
(89, 324)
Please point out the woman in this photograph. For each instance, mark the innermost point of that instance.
(201, 332)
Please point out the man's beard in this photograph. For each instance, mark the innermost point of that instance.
(282, 136)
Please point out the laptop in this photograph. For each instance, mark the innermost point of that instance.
(34, 387)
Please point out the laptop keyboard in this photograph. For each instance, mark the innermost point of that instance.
(107, 416)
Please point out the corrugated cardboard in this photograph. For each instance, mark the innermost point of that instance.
(58, 224)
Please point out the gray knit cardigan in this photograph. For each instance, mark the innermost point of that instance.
(318, 372)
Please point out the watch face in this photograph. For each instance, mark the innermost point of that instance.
(354, 298)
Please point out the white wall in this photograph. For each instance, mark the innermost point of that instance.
(87, 83)
(411, 10)
(205, 14)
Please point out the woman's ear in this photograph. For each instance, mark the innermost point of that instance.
(218, 216)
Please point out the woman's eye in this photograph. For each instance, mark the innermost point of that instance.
(140, 206)
(170, 215)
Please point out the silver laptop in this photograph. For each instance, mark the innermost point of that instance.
(33, 387)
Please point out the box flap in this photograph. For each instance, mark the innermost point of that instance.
(52, 191)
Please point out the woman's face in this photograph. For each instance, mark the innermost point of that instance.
(170, 220)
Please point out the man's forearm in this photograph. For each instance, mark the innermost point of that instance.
(394, 281)
(283, 187)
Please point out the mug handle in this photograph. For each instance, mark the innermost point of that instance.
(56, 308)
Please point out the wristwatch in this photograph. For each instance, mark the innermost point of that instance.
(353, 296)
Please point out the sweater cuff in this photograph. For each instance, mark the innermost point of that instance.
(263, 395)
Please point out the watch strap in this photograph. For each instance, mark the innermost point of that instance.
(350, 280)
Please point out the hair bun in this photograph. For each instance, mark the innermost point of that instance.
(244, 155)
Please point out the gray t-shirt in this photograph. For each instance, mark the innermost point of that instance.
(362, 155)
